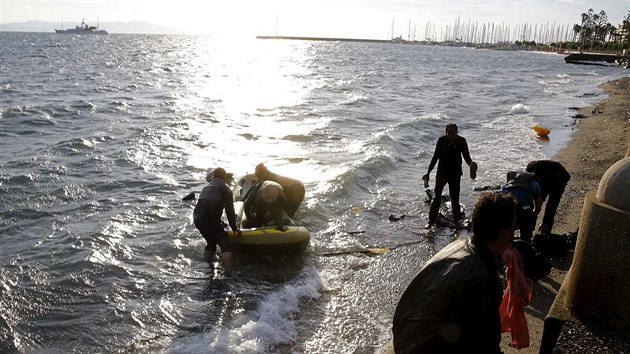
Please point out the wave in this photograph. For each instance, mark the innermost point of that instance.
(353, 98)
(89, 106)
(519, 108)
(264, 329)
(564, 81)
(74, 146)
(7, 86)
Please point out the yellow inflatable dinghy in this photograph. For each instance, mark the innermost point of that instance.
(292, 236)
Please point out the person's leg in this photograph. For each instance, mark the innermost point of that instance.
(453, 189)
(227, 258)
(208, 254)
(526, 224)
(543, 196)
(440, 182)
(551, 208)
(227, 249)
(206, 232)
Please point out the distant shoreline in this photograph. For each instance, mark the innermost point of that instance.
(326, 39)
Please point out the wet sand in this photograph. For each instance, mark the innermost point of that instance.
(600, 139)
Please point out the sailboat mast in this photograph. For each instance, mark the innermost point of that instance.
(391, 34)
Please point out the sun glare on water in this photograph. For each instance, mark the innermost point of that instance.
(249, 91)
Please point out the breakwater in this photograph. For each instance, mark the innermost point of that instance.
(328, 39)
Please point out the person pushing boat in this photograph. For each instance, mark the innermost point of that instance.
(214, 198)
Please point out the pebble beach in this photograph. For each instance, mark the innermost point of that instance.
(601, 138)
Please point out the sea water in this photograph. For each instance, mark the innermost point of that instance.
(102, 136)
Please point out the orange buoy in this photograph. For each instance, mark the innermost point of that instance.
(541, 131)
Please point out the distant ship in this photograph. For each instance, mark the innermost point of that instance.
(83, 28)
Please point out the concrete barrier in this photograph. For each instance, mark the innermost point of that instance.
(598, 284)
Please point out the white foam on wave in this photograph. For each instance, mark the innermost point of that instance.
(519, 108)
(560, 81)
(260, 331)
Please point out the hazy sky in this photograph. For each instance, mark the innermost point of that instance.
(325, 18)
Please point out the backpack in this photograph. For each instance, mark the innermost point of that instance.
(520, 180)
(535, 264)
(554, 245)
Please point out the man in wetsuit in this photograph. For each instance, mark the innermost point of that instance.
(215, 197)
(553, 178)
(449, 150)
(452, 304)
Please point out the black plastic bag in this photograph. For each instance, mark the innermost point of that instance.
(535, 264)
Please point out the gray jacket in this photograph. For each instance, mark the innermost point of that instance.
(452, 305)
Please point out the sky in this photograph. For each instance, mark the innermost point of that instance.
(372, 19)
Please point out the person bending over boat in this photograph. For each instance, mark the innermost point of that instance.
(264, 204)
(293, 188)
(215, 197)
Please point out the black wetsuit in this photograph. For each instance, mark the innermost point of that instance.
(207, 215)
(449, 171)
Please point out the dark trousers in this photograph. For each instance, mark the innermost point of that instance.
(214, 234)
(453, 189)
(551, 207)
(525, 222)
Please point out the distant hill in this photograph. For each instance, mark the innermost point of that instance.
(111, 27)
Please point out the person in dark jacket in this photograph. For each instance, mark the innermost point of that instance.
(452, 304)
(449, 151)
(552, 178)
(215, 197)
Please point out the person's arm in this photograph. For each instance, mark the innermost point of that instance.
(537, 206)
(536, 194)
(465, 152)
(229, 209)
(468, 159)
(434, 159)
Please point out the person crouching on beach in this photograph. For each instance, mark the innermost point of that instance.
(452, 304)
(215, 197)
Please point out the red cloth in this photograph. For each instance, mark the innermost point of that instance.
(515, 299)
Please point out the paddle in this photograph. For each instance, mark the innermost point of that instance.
(370, 250)
(375, 250)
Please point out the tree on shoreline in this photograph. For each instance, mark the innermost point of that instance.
(625, 28)
(595, 32)
(594, 27)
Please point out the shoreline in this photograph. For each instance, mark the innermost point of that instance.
(601, 139)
